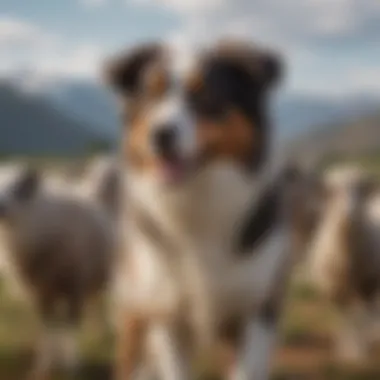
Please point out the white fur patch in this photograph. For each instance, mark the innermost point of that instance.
(168, 355)
(247, 283)
(201, 219)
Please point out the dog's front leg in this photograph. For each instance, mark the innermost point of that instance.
(256, 348)
(131, 338)
(169, 351)
(253, 360)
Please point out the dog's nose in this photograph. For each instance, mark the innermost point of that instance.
(164, 139)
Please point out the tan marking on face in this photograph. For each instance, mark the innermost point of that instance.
(156, 81)
(232, 138)
(194, 82)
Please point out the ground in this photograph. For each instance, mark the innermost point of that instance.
(305, 352)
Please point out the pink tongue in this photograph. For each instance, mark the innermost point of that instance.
(173, 171)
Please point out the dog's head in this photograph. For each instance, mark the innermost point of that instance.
(19, 192)
(217, 111)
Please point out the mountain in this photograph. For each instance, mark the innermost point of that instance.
(294, 115)
(86, 101)
(29, 124)
(357, 137)
(297, 115)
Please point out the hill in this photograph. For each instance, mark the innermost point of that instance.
(357, 138)
(309, 124)
(30, 125)
(294, 114)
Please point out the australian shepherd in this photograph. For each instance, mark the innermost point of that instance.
(204, 249)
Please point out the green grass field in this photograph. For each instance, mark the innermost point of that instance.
(305, 352)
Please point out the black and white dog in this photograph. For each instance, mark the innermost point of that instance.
(205, 244)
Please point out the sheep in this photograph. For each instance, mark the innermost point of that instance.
(344, 254)
(62, 247)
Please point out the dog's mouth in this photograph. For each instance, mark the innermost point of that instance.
(173, 168)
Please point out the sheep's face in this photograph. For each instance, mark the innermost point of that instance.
(348, 189)
(18, 193)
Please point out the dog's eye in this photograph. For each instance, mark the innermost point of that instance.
(213, 110)
(156, 82)
(208, 108)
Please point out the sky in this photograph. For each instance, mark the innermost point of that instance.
(331, 47)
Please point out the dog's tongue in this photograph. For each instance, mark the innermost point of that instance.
(173, 170)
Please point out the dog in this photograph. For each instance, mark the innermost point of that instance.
(204, 251)
(63, 252)
(344, 258)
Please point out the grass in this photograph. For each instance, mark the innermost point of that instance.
(369, 161)
(305, 352)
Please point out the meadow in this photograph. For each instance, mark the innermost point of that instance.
(305, 351)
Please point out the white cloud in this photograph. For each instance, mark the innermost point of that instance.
(29, 50)
(301, 29)
(352, 79)
(297, 21)
(184, 7)
(307, 32)
(364, 78)
(80, 61)
(19, 33)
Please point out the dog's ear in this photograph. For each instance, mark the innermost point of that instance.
(265, 66)
(272, 68)
(27, 185)
(124, 72)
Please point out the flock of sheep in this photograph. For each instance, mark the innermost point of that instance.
(337, 236)
(59, 237)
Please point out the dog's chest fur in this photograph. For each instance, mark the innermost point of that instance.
(181, 246)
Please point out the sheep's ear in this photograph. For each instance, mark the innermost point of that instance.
(124, 72)
(109, 190)
(27, 185)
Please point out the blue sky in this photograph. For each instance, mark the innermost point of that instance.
(332, 47)
(88, 21)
